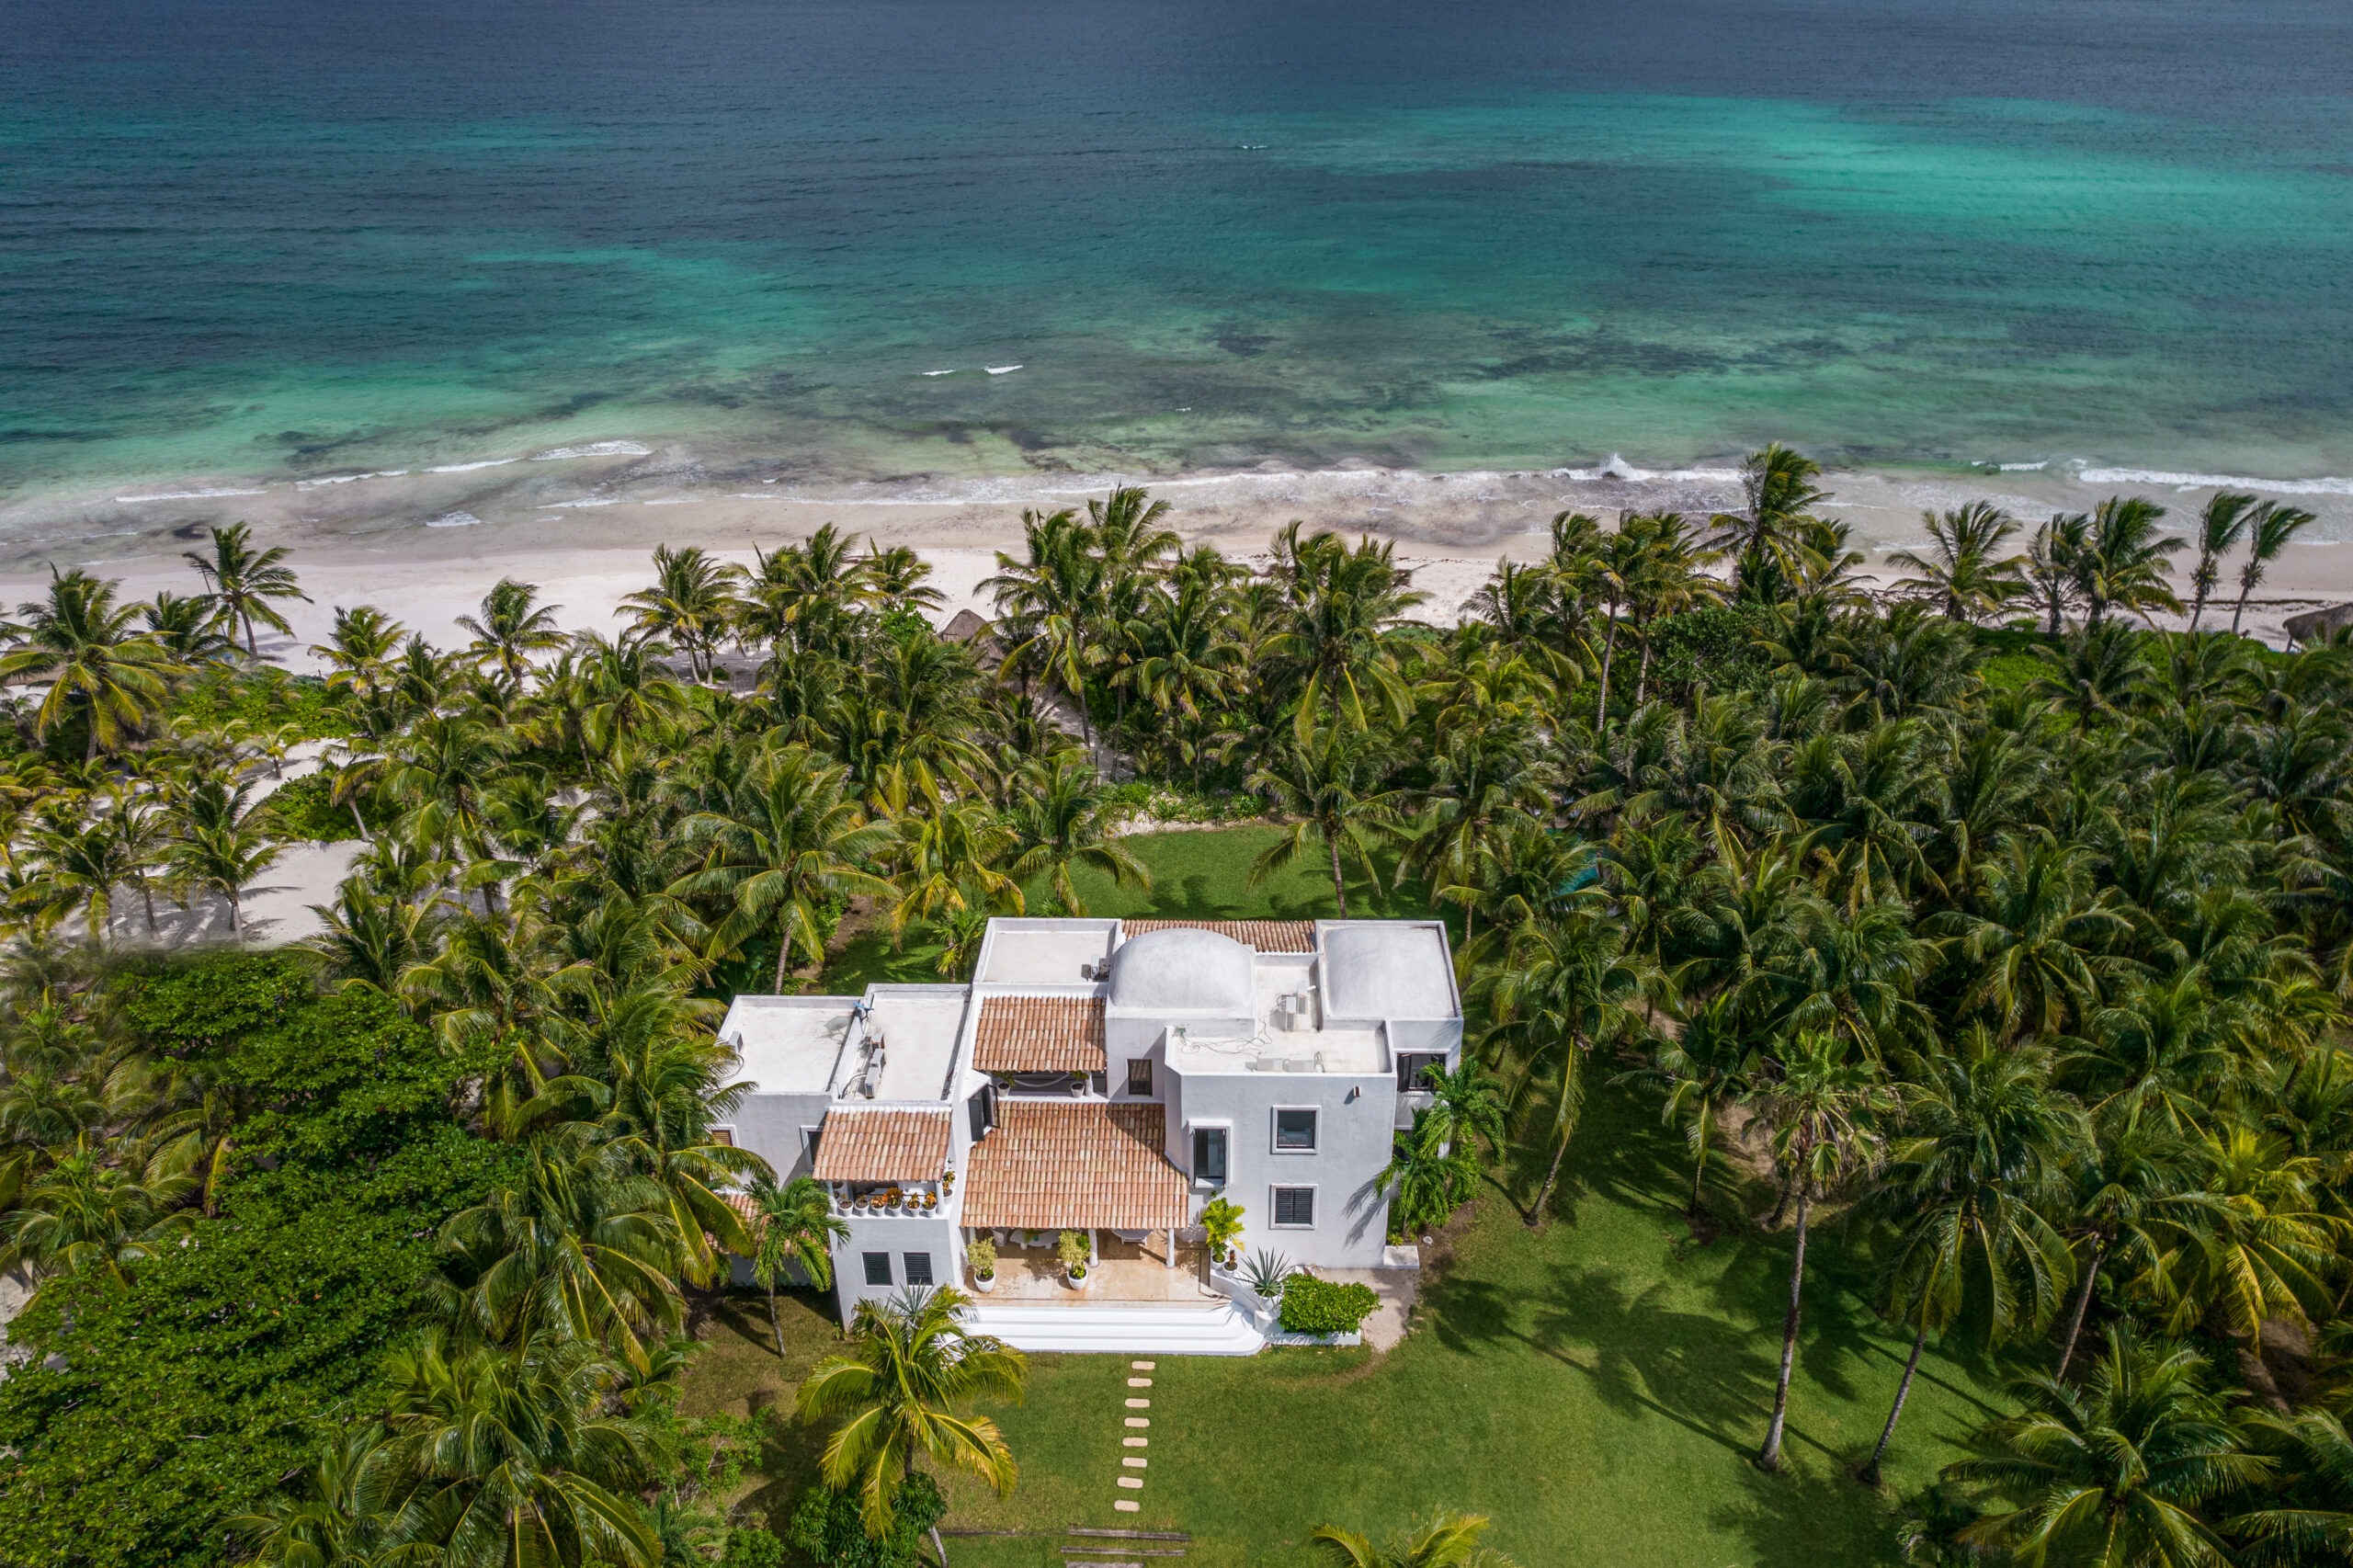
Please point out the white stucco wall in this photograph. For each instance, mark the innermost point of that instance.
(1355, 1124)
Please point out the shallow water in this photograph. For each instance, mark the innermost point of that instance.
(273, 237)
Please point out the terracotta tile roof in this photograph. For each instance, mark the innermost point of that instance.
(1051, 1163)
(1040, 1034)
(1262, 936)
(882, 1145)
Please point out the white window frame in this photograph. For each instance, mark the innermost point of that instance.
(906, 1267)
(1274, 1129)
(1150, 1077)
(1315, 1205)
(865, 1264)
(1193, 1131)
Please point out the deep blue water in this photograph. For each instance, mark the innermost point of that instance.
(251, 236)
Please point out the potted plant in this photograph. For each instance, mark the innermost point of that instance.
(1222, 1223)
(1074, 1250)
(981, 1253)
(930, 1201)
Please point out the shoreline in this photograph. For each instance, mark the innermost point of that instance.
(424, 545)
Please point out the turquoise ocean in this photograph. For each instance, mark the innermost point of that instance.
(289, 237)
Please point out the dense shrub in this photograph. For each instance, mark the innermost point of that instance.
(305, 808)
(826, 1528)
(1325, 1306)
(1720, 644)
(262, 699)
(157, 1412)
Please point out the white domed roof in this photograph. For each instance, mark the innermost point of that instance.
(1391, 968)
(1182, 971)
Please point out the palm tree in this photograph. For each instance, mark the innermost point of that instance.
(358, 652)
(2264, 1248)
(1334, 785)
(512, 626)
(2123, 560)
(578, 1247)
(222, 845)
(1443, 1540)
(690, 603)
(81, 643)
(1767, 542)
(517, 1459)
(1331, 650)
(98, 1212)
(1706, 1068)
(1567, 986)
(346, 1516)
(244, 580)
(950, 863)
(2036, 940)
(2114, 1473)
(1965, 571)
(1061, 820)
(2133, 1192)
(791, 840)
(2305, 1518)
(1046, 605)
(2097, 673)
(1968, 1187)
(793, 1224)
(2050, 566)
(2269, 528)
(2220, 525)
(186, 628)
(1823, 1106)
(911, 1363)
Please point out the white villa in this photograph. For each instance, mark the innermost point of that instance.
(1108, 1077)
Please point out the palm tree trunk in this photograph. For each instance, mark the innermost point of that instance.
(1768, 1457)
(236, 916)
(776, 1324)
(147, 897)
(1552, 1176)
(783, 951)
(1642, 671)
(2246, 587)
(2197, 605)
(939, 1548)
(1608, 646)
(1868, 1474)
(1339, 887)
(2082, 1302)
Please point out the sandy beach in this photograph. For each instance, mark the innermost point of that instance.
(424, 546)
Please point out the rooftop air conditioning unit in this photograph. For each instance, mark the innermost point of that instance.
(1290, 1011)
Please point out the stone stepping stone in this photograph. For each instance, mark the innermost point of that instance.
(1135, 1442)
(1142, 1366)
(1134, 1483)
(1139, 1404)
(1134, 1462)
(1126, 1505)
(1139, 1421)
(1139, 1382)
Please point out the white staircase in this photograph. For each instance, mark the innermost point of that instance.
(1123, 1328)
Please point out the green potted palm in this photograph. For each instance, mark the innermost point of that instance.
(1222, 1223)
(981, 1253)
(1076, 1252)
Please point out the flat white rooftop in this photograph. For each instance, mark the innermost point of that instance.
(918, 1031)
(1045, 953)
(1309, 1046)
(789, 1044)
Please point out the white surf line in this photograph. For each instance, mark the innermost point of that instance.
(468, 468)
(186, 495)
(1000, 370)
(947, 372)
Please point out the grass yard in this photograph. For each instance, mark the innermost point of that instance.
(1596, 1386)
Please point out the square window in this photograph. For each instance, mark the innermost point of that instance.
(1295, 1130)
(723, 1136)
(1208, 1153)
(1140, 1074)
(1413, 1067)
(878, 1268)
(918, 1267)
(1295, 1206)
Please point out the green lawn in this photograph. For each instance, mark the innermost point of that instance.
(1596, 1386)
